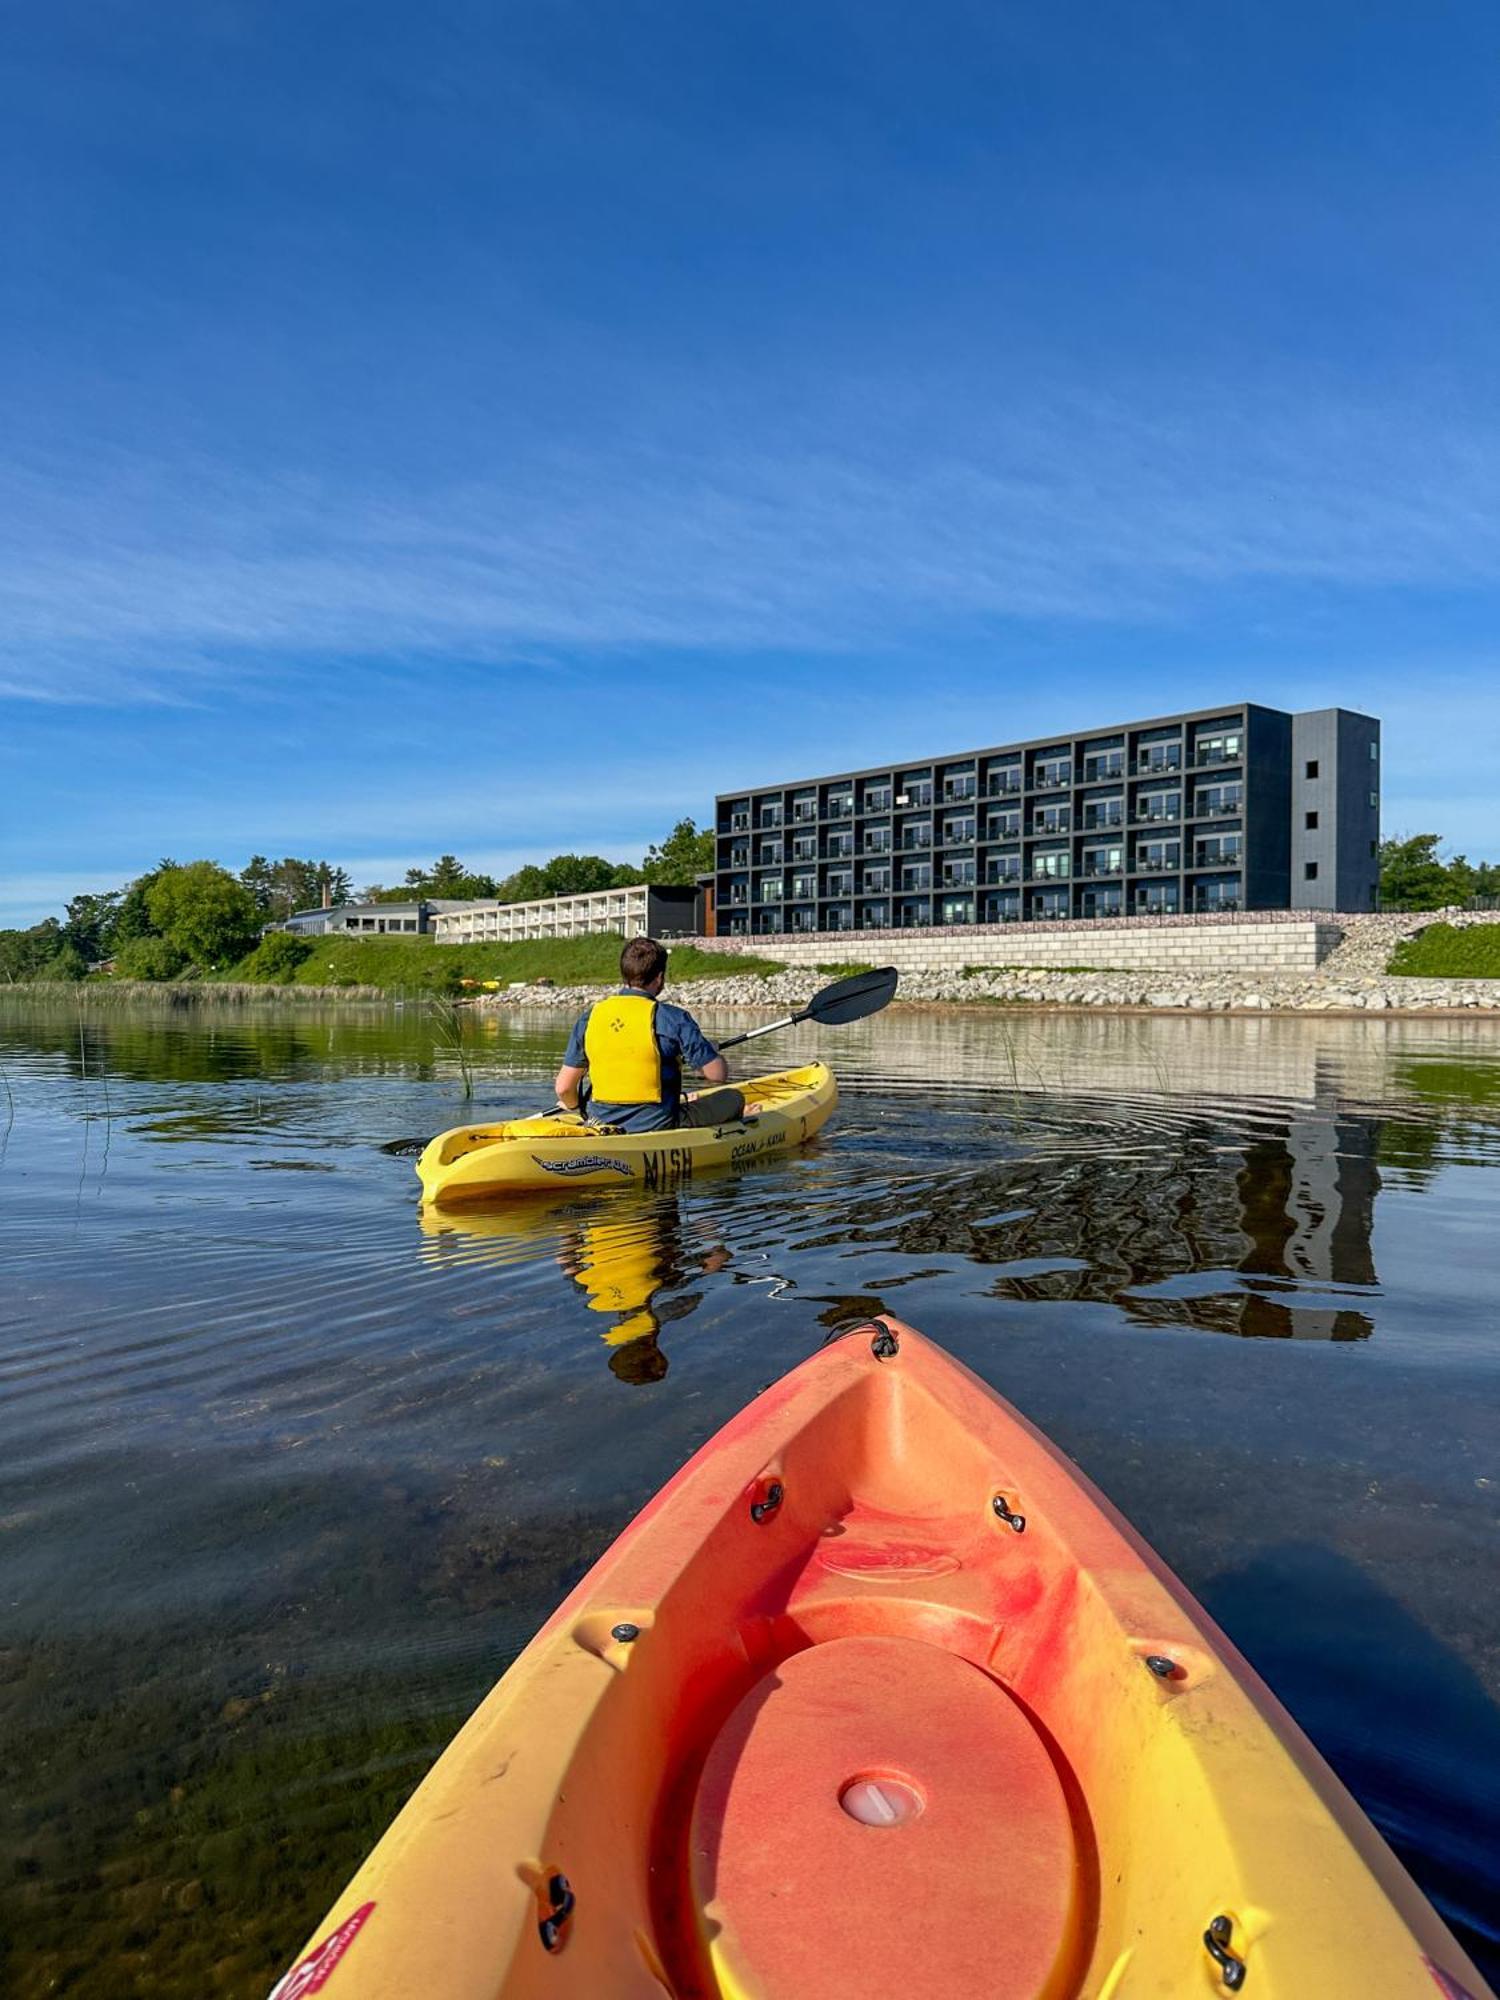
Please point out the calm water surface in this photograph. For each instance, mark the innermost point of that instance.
(288, 1474)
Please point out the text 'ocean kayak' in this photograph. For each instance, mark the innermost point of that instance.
(474, 1162)
(879, 1697)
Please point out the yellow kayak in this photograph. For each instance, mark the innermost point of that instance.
(879, 1697)
(477, 1162)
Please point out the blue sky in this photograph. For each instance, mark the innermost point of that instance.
(495, 429)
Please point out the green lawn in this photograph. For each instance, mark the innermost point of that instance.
(391, 962)
(1442, 952)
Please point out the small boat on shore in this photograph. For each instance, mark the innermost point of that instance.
(562, 1150)
(880, 1697)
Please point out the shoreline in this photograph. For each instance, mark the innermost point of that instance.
(1038, 990)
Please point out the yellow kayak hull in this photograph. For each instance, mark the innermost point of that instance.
(557, 1153)
(879, 1696)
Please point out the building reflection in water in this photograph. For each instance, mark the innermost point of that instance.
(1263, 1236)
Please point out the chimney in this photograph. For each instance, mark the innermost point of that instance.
(327, 894)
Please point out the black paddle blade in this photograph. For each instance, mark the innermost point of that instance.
(852, 999)
(405, 1149)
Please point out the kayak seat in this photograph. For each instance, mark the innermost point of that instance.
(878, 1816)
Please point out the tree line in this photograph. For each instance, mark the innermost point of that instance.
(1415, 876)
(185, 919)
(682, 857)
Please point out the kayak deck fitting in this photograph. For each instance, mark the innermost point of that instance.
(879, 1697)
(559, 1151)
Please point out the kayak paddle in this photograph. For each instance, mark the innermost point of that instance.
(851, 999)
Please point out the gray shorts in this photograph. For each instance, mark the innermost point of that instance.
(713, 1107)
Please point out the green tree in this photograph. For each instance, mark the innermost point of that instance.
(446, 877)
(90, 926)
(280, 887)
(24, 954)
(577, 874)
(1414, 877)
(204, 911)
(149, 958)
(527, 885)
(133, 919)
(65, 964)
(683, 856)
(256, 875)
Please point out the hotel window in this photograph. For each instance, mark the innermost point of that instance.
(1310, 821)
(1312, 767)
(1222, 747)
(1310, 871)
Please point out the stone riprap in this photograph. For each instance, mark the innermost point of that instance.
(1350, 978)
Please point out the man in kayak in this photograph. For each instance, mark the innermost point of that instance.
(631, 1048)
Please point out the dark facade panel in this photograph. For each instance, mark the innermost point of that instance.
(673, 912)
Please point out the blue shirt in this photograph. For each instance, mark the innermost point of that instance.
(679, 1039)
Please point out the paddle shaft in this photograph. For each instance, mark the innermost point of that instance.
(770, 1028)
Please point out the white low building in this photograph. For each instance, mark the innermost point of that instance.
(646, 909)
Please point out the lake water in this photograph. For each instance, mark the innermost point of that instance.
(288, 1473)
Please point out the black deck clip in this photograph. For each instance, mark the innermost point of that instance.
(560, 1904)
(1216, 1944)
(1002, 1509)
(775, 1493)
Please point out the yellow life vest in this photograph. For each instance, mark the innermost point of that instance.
(620, 1045)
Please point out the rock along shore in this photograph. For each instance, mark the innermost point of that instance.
(1352, 979)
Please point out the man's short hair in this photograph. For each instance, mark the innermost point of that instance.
(642, 961)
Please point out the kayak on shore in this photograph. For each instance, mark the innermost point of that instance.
(562, 1150)
(880, 1697)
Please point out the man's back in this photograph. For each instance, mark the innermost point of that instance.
(614, 1053)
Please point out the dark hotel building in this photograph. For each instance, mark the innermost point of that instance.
(1241, 808)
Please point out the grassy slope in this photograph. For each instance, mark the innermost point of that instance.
(416, 961)
(1441, 952)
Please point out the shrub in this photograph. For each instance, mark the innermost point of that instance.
(275, 959)
(149, 958)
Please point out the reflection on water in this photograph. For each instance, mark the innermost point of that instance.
(289, 1469)
(632, 1257)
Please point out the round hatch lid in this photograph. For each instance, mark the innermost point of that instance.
(878, 1816)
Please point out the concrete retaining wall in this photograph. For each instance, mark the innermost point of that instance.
(1271, 941)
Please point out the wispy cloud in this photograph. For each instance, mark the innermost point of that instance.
(131, 579)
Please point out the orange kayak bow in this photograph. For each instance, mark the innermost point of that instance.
(880, 1697)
